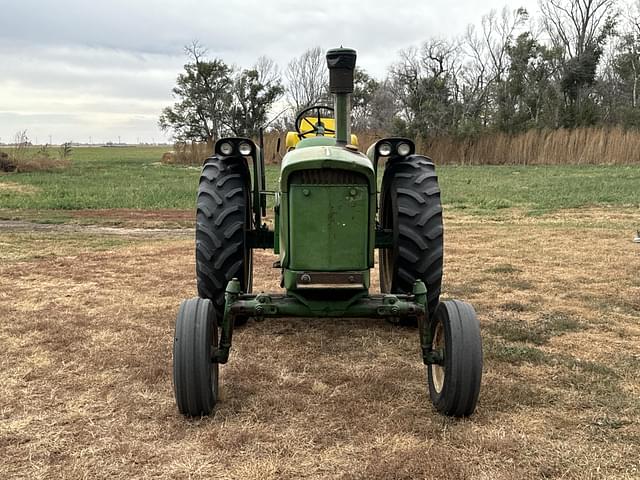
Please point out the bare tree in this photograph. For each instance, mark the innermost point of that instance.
(404, 79)
(441, 56)
(384, 108)
(579, 29)
(307, 79)
(426, 87)
(485, 71)
(576, 25)
(497, 33)
(444, 59)
(365, 89)
(254, 92)
(619, 72)
(633, 46)
(475, 76)
(268, 71)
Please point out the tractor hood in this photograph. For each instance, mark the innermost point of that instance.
(322, 157)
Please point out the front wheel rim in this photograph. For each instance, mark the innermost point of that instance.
(437, 371)
(214, 382)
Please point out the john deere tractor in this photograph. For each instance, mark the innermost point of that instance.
(329, 220)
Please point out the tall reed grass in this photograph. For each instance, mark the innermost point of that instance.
(581, 146)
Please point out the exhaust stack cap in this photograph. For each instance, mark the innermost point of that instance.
(341, 63)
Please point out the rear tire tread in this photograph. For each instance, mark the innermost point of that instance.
(222, 217)
(413, 184)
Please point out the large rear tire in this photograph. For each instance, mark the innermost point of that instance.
(410, 206)
(454, 385)
(222, 220)
(195, 377)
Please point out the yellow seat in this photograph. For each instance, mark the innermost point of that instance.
(293, 138)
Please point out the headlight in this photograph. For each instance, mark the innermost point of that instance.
(226, 148)
(385, 149)
(404, 149)
(245, 149)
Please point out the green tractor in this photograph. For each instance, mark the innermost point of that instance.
(328, 221)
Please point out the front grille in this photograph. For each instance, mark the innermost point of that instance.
(327, 176)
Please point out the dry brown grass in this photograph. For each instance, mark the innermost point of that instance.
(196, 153)
(85, 382)
(192, 153)
(24, 159)
(12, 187)
(41, 164)
(580, 146)
(36, 163)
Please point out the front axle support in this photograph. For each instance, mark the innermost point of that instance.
(265, 305)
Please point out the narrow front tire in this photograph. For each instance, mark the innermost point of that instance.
(195, 376)
(454, 384)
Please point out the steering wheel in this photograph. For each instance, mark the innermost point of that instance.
(317, 128)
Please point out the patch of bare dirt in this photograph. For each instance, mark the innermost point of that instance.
(128, 217)
(136, 214)
(119, 217)
(21, 226)
(85, 373)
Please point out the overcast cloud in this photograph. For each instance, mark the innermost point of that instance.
(77, 70)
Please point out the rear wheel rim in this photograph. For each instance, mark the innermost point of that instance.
(387, 254)
(437, 371)
(213, 368)
(248, 253)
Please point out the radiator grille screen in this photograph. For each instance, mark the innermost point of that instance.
(327, 176)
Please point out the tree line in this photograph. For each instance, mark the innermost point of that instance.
(575, 63)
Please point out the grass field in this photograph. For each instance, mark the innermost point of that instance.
(85, 374)
(86, 330)
(133, 178)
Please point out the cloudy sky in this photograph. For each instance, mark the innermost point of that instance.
(79, 70)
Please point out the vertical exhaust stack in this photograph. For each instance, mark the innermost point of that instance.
(341, 63)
